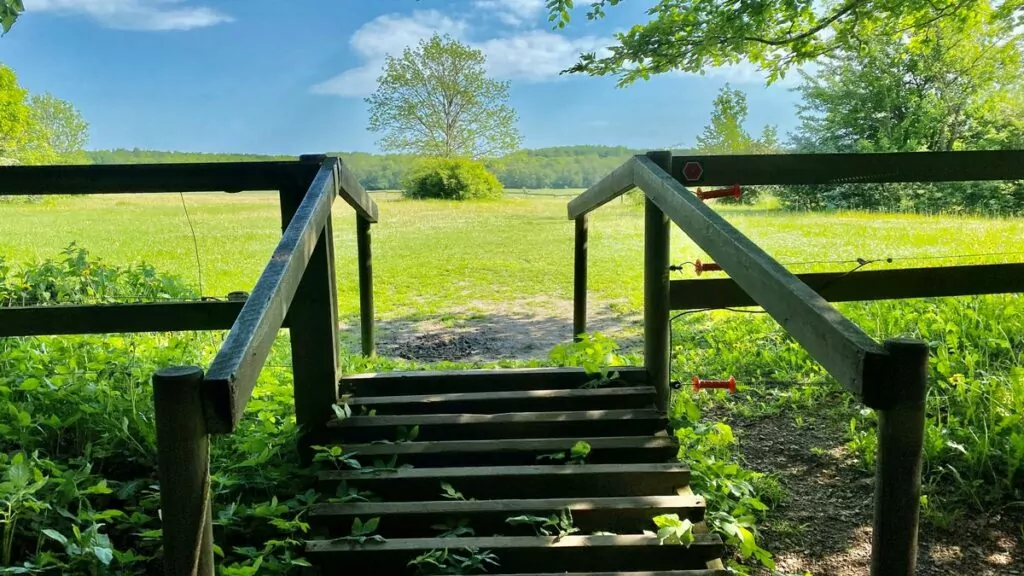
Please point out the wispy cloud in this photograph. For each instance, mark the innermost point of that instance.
(529, 55)
(148, 15)
(513, 12)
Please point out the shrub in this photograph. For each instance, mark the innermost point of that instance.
(452, 179)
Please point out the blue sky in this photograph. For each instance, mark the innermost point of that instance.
(288, 77)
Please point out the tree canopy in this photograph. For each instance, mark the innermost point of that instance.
(694, 35)
(949, 87)
(38, 129)
(437, 100)
(725, 134)
(9, 12)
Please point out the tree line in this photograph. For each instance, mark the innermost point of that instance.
(556, 167)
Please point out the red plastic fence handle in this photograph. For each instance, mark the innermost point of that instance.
(706, 267)
(729, 384)
(733, 191)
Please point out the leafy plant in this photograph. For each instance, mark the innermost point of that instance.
(362, 532)
(672, 530)
(595, 353)
(407, 434)
(559, 525)
(576, 455)
(337, 456)
(454, 528)
(449, 492)
(466, 561)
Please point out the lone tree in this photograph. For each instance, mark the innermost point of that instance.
(436, 100)
(726, 134)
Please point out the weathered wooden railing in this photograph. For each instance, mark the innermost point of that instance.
(889, 378)
(296, 289)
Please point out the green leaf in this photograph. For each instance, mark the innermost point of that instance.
(56, 536)
(104, 555)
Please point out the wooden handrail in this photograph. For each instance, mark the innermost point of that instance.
(232, 375)
(833, 340)
(862, 286)
(607, 189)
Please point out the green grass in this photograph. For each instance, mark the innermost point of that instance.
(432, 257)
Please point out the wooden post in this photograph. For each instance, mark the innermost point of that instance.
(365, 285)
(898, 469)
(183, 457)
(656, 291)
(579, 291)
(313, 325)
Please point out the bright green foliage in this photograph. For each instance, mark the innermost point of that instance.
(58, 128)
(595, 353)
(436, 100)
(42, 129)
(78, 486)
(452, 179)
(726, 135)
(672, 530)
(14, 114)
(558, 525)
(695, 35)
(9, 12)
(953, 86)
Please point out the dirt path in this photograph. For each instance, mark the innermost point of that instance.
(824, 526)
(490, 331)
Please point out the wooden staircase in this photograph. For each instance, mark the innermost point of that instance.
(483, 432)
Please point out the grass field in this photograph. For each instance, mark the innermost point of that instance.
(434, 257)
(435, 261)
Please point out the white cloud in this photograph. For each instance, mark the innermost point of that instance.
(149, 15)
(387, 34)
(530, 56)
(512, 12)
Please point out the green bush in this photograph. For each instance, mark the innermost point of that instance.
(453, 179)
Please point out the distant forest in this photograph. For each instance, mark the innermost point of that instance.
(560, 167)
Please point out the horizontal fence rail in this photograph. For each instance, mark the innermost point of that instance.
(811, 169)
(63, 320)
(155, 178)
(232, 375)
(863, 285)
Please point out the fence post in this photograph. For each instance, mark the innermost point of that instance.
(898, 469)
(313, 327)
(656, 291)
(183, 457)
(579, 289)
(365, 285)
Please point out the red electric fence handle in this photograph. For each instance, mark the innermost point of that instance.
(733, 191)
(702, 267)
(729, 384)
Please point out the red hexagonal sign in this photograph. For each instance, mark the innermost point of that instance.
(692, 171)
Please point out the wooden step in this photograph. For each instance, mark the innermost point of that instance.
(494, 482)
(453, 382)
(610, 398)
(619, 515)
(510, 425)
(456, 453)
(520, 554)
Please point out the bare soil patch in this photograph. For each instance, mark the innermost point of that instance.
(824, 526)
(490, 331)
